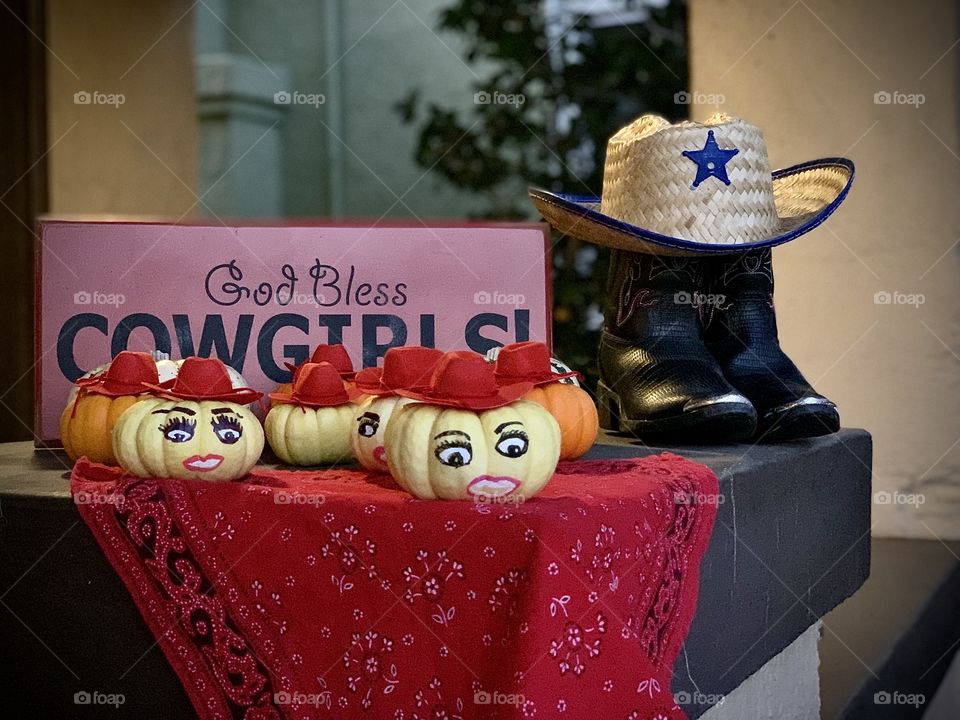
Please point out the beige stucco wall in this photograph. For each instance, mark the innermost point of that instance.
(807, 73)
(139, 157)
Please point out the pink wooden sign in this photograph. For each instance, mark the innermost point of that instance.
(258, 297)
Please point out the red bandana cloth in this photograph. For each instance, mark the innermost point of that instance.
(333, 594)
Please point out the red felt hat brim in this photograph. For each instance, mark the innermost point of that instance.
(370, 382)
(538, 379)
(343, 376)
(290, 399)
(240, 396)
(103, 384)
(110, 388)
(505, 395)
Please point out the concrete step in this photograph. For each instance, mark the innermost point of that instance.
(886, 650)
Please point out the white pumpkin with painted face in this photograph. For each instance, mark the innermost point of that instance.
(457, 454)
(470, 438)
(196, 428)
(404, 368)
(207, 440)
(368, 436)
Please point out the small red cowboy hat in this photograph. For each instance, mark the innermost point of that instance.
(527, 362)
(317, 385)
(404, 368)
(125, 375)
(336, 355)
(204, 379)
(466, 380)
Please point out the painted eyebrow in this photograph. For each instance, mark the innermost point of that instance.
(451, 432)
(499, 428)
(185, 411)
(221, 411)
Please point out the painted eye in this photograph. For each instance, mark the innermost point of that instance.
(179, 430)
(513, 445)
(227, 429)
(455, 454)
(228, 436)
(368, 427)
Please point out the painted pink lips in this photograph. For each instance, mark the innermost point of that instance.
(492, 486)
(205, 463)
(380, 455)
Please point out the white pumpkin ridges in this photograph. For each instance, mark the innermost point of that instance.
(256, 442)
(408, 444)
(334, 431)
(126, 447)
(308, 436)
(543, 457)
(385, 407)
(270, 430)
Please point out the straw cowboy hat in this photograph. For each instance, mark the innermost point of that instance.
(690, 188)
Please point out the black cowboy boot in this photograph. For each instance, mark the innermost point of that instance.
(657, 378)
(741, 332)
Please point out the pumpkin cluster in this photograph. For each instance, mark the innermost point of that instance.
(155, 417)
(196, 425)
(448, 426)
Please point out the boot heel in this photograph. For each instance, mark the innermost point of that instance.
(608, 408)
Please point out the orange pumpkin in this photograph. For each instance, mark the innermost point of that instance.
(575, 412)
(86, 426)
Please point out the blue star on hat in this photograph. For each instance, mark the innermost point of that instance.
(711, 161)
